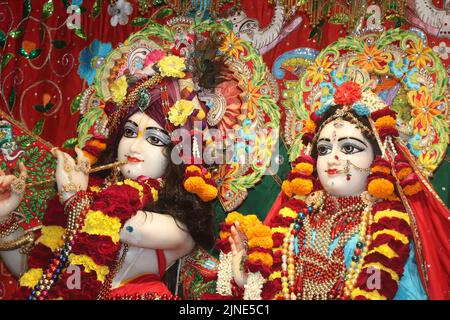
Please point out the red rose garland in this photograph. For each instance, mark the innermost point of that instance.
(90, 250)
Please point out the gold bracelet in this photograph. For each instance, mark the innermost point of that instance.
(25, 241)
(84, 166)
(70, 187)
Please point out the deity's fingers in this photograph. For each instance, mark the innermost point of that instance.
(2, 173)
(80, 155)
(23, 170)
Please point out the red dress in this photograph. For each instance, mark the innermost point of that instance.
(147, 286)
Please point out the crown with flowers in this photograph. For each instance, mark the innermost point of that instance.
(180, 52)
(395, 81)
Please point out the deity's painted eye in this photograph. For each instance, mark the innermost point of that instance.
(349, 148)
(323, 149)
(129, 133)
(155, 141)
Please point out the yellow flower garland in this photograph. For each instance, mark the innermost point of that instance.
(97, 223)
(31, 277)
(51, 237)
(89, 265)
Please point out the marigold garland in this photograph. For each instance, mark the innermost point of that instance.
(197, 180)
(259, 258)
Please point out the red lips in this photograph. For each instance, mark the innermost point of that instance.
(332, 171)
(133, 159)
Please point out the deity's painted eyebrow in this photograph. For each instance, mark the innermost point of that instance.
(132, 122)
(352, 139)
(324, 139)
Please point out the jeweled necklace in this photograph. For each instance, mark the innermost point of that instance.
(311, 274)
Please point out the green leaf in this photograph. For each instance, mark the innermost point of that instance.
(6, 58)
(47, 10)
(80, 33)
(164, 12)
(38, 127)
(35, 53)
(26, 9)
(12, 98)
(2, 38)
(70, 143)
(17, 33)
(96, 8)
(139, 21)
(59, 44)
(75, 105)
(23, 53)
(44, 109)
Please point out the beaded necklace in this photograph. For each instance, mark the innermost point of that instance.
(307, 271)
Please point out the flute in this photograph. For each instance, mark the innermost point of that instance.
(92, 170)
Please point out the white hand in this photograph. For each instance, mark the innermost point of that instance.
(68, 176)
(238, 251)
(9, 197)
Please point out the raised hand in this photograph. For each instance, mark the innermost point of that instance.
(12, 190)
(238, 243)
(71, 176)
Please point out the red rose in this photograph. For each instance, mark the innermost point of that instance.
(223, 245)
(100, 248)
(270, 289)
(39, 257)
(89, 287)
(54, 215)
(348, 93)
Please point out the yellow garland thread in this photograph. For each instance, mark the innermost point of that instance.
(288, 213)
(397, 235)
(89, 265)
(51, 237)
(380, 266)
(31, 277)
(385, 250)
(391, 214)
(97, 223)
(371, 295)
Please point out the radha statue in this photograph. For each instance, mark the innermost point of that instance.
(356, 218)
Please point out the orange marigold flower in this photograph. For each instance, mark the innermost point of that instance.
(224, 234)
(301, 187)
(286, 187)
(403, 173)
(234, 216)
(385, 122)
(410, 190)
(258, 230)
(194, 184)
(305, 168)
(262, 242)
(381, 169)
(309, 126)
(380, 188)
(207, 192)
(264, 258)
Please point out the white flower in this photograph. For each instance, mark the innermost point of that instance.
(223, 285)
(119, 12)
(253, 287)
(442, 50)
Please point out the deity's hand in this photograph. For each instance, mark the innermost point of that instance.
(238, 243)
(12, 190)
(71, 176)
